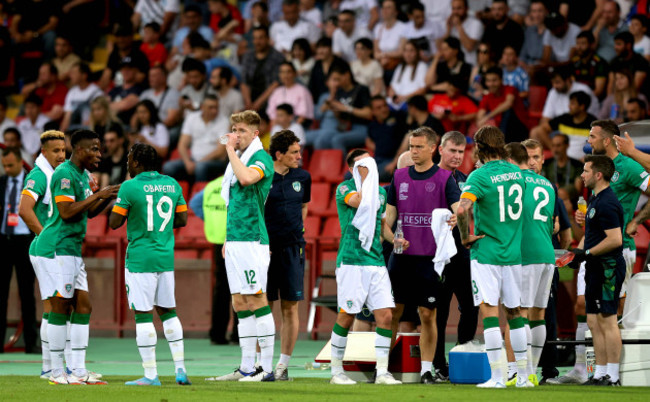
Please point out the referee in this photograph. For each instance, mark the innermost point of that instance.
(285, 211)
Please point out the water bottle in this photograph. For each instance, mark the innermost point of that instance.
(613, 111)
(582, 207)
(316, 366)
(223, 140)
(399, 235)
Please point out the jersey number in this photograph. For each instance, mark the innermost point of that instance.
(537, 193)
(250, 277)
(502, 203)
(165, 215)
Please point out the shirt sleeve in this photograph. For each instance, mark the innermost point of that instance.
(260, 164)
(546, 39)
(473, 188)
(391, 198)
(636, 176)
(343, 193)
(181, 204)
(122, 203)
(452, 191)
(62, 188)
(35, 186)
(196, 205)
(306, 196)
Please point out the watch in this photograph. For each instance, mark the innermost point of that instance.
(587, 252)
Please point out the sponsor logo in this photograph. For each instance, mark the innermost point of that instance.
(403, 190)
(65, 183)
(461, 185)
(615, 177)
(118, 200)
(431, 299)
(296, 186)
(30, 184)
(592, 212)
(344, 189)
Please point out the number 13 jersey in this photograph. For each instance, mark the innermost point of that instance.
(149, 201)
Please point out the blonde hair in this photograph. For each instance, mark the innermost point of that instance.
(532, 144)
(52, 135)
(105, 103)
(248, 117)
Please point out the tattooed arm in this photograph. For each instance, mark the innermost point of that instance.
(463, 223)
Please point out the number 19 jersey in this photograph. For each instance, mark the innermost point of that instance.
(497, 189)
(149, 201)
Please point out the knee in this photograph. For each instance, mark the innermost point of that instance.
(512, 313)
(427, 316)
(396, 314)
(239, 304)
(383, 317)
(83, 308)
(345, 320)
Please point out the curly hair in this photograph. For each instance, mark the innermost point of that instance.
(281, 141)
(145, 155)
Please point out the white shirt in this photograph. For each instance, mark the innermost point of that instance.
(157, 136)
(154, 11)
(283, 35)
(403, 84)
(438, 10)
(365, 75)
(315, 16)
(561, 47)
(558, 104)
(297, 129)
(389, 39)
(473, 28)
(31, 133)
(6, 123)
(430, 31)
(361, 8)
(344, 45)
(163, 104)
(205, 136)
(643, 46)
(230, 103)
(77, 96)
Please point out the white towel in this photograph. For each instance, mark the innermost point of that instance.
(45, 166)
(365, 219)
(445, 245)
(229, 178)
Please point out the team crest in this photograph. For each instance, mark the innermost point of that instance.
(349, 303)
(344, 189)
(30, 184)
(65, 183)
(68, 288)
(461, 185)
(296, 186)
(592, 212)
(615, 177)
(429, 187)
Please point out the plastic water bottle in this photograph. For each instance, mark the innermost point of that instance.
(399, 235)
(316, 366)
(613, 111)
(223, 140)
(582, 207)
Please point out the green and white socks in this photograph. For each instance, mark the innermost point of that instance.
(519, 346)
(338, 341)
(146, 339)
(265, 329)
(382, 349)
(493, 344)
(255, 328)
(174, 333)
(247, 340)
(79, 335)
(45, 345)
(538, 335)
(56, 335)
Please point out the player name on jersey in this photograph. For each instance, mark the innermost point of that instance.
(539, 181)
(159, 188)
(506, 177)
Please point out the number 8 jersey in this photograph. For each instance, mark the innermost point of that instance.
(497, 189)
(149, 201)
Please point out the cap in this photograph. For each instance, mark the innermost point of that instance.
(127, 62)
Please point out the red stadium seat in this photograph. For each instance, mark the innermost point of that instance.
(641, 240)
(320, 199)
(312, 227)
(186, 188)
(196, 187)
(187, 253)
(536, 99)
(332, 228)
(326, 165)
(306, 157)
(468, 163)
(97, 226)
(174, 155)
(117, 233)
(193, 229)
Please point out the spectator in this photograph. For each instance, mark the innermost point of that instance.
(101, 116)
(366, 70)
(409, 77)
(424, 32)
(5, 122)
(192, 22)
(284, 32)
(628, 59)
(589, 68)
(77, 101)
(518, 10)
(624, 90)
(346, 112)
(258, 16)
(559, 39)
(164, 13)
(366, 11)
(301, 57)
(165, 98)
(562, 170)
(151, 46)
(557, 101)
(292, 93)
(113, 167)
(466, 28)
(486, 59)
(585, 15)
(576, 124)
(309, 12)
(225, 20)
(448, 62)
(419, 116)
(502, 30)
(124, 48)
(259, 70)
(325, 59)
(126, 96)
(346, 35)
(50, 90)
(148, 129)
(200, 50)
(230, 99)
(385, 133)
(202, 157)
(513, 74)
(192, 94)
(330, 26)
(388, 36)
(64, 58)
(437, 11)
(636, 110)
(284, 120)
(607, 28)
(12, 139)
(503, 105)
(638, 29)
(31, 127)
(533, 47)
(453, 108)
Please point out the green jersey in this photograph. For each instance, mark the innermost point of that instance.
(149, 201)
(497, 189)
(539, 207)
(69, 184)
(628, 182)
(245, 219)
(36, 187)
(350, 250)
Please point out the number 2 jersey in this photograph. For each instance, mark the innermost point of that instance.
(497, 189)
(149, 201)
(539, 206)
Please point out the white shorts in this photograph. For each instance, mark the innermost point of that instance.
(536, 284)
(581, 284)
(493, 282)
(144, 290)
(247, 266)
(357, 285)
(60, 276)
(630, 259)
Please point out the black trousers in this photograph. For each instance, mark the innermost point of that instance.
(14, 252)
(457, 280)
(221, 301)
(548, 360)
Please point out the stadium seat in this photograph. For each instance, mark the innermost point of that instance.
(187, 253)
(96, 226)
(196, 187)
(117, 233)
(320, 199)
(312, 227)
(536, 99)
(174, 155)
(326, 165)
(186, 189)
(193, 229)
(332, 228)
(468, 163)
(306, 157)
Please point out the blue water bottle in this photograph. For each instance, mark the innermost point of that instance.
(613, 112)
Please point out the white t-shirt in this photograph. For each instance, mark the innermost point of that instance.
(437, 10)
(365, 75)
(164, 105)
(403, 84)
(315, 16)
(154, 11)
(389, 39)
(232, 102)
(31, 133)
(361, 8)
(297, 129)
(158, 136)
(558, 103)
(344, 45)
(430, 31)
(643, 46)
(205, 136)
(77, 96)
(561, 47)
(473, 28)
(283, 35)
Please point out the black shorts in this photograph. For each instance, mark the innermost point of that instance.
(414, 280)
(603, 279)
(286, 273)
(365, 315)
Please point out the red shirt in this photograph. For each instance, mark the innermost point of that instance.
(460, 105)
(491, 101)
(57, 97)
(156, 55)
(215, 19)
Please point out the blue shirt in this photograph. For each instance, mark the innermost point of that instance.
(604, 212)
(517, 78)
(182, 33)
(22, 228)
(196, 205)
(283, 208)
